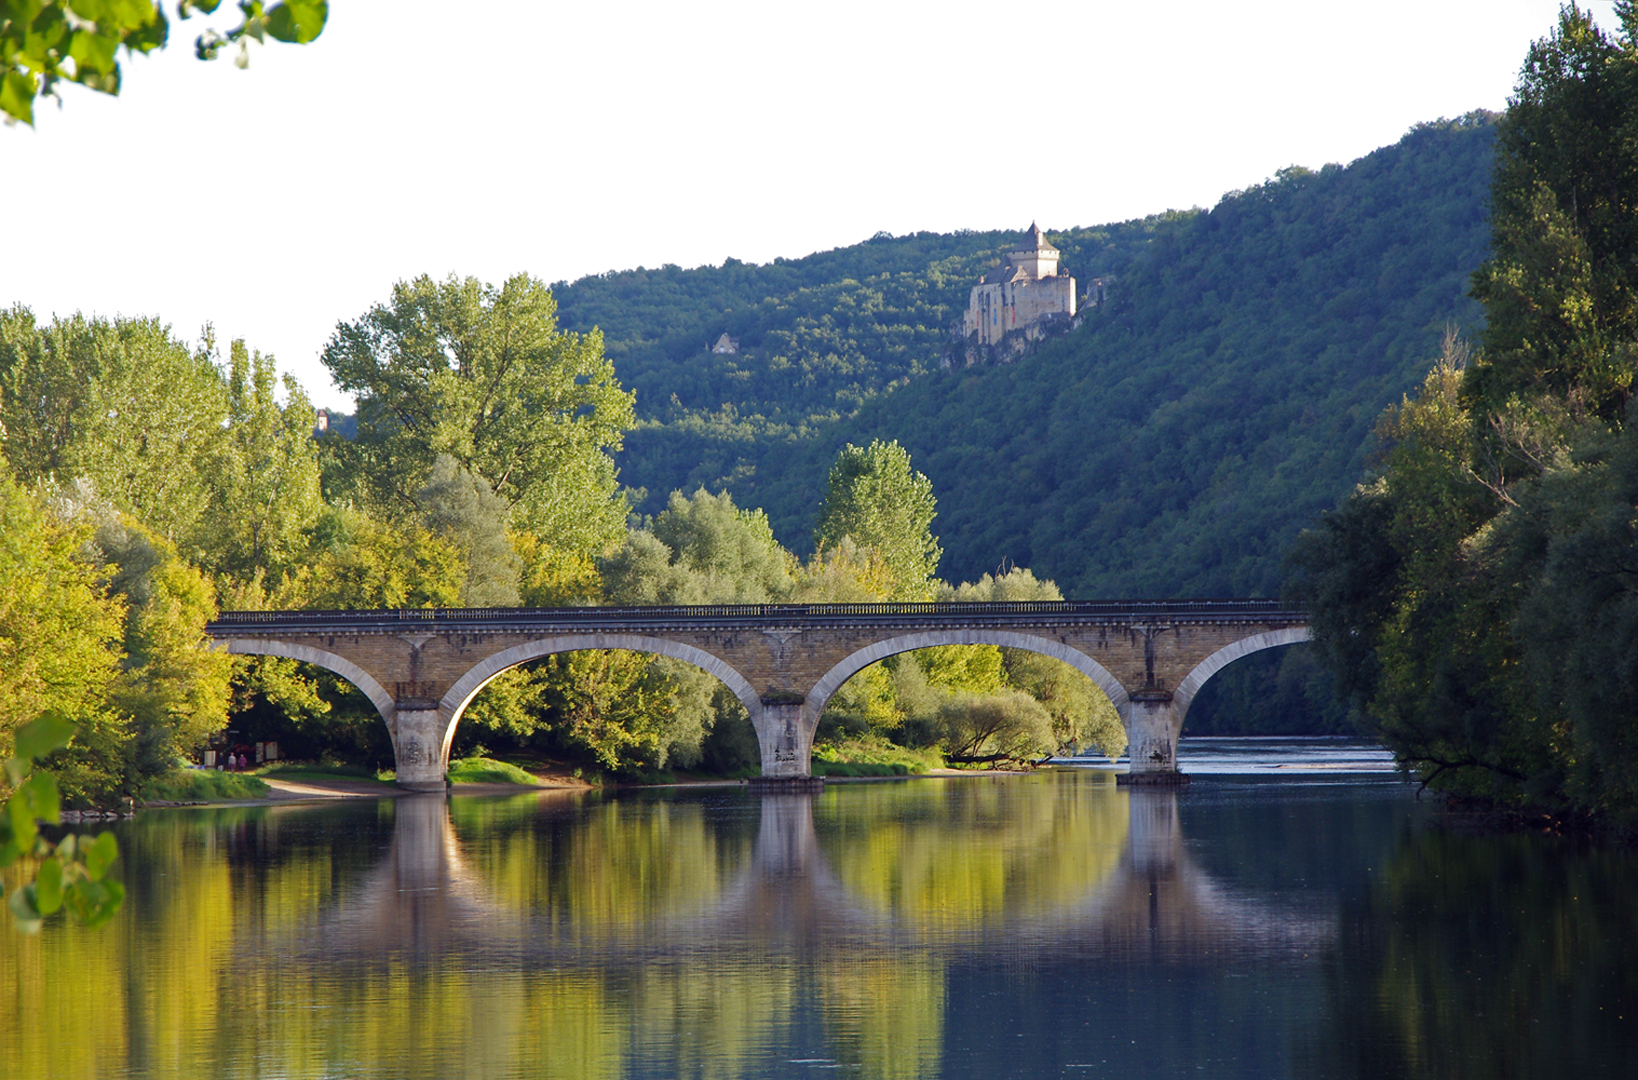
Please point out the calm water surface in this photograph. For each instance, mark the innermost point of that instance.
(1295, 913)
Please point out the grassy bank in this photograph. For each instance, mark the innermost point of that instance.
(484, 770)
(872, 755)
(204, 785)
(298, 771)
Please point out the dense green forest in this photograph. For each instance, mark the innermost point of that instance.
(1171, 446)
(817, 337)
(1477, 595)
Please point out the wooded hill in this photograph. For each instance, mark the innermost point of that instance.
(1173, 445)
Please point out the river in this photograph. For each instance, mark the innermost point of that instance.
(1296, 912)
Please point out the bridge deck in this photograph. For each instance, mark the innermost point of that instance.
(757, 616)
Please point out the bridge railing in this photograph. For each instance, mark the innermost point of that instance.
(771, 613)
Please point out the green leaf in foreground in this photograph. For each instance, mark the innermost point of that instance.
(297, 21)
(93, 903)
(48, 887)
(41, 736)
(101, 854)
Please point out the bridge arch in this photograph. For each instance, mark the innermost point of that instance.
(340, 665)
(1186, 690)
(466, 688)
(851, 665)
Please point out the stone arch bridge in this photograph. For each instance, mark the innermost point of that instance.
(783, 661)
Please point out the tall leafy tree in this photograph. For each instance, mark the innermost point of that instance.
(875, 498)
(484, 375)
(60, 630)
(368, 563)
(466, 512)
(1478, 596)
(264, 478)
(1561, 286)
(701, 549)
(121, 404)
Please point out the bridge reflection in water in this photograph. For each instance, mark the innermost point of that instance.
(699, 934)
(1103, 873)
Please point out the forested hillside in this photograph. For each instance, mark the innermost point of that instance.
(1171, 446)
(818, 337)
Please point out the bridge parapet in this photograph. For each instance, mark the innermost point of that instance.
(783, 661)
(746, 616)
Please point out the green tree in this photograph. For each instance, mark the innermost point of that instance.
(875, 498)
(366, 563)
(60, 630)
(614, 705)
(995, 729)
(174, 693)
(44, 42)
(264, 479)
(1560, 289)
(1577, 624)
(466, 512)
(1475, 598)
(484, 375)
(120, 404)
(701, 549)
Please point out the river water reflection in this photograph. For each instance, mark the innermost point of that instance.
(1051, 925)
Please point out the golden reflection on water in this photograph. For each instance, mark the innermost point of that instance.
(542, 936)
(981, 852)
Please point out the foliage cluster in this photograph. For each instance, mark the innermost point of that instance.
(1479, 596)
(69, 874)
(44, 42)
(147, 482)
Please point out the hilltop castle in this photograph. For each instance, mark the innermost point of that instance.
(1024, 294)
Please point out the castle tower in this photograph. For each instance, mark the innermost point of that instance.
(1036, 258)
(1024, 294)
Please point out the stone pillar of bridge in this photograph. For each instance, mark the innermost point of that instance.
(786, 739)
(419, 729)
(1152, 728)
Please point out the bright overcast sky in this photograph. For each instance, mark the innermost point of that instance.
(570, 139)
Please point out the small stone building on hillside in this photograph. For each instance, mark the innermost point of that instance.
(1023, 294)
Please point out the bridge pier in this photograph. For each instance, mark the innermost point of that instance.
(1153, 724)
(420, 742)
(785, 737)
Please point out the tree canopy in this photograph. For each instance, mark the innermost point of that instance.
(1478, 596)
(879, 502)
(483, 375)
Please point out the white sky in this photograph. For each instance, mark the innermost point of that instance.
(568, 139)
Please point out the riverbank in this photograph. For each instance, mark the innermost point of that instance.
(316, 787)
